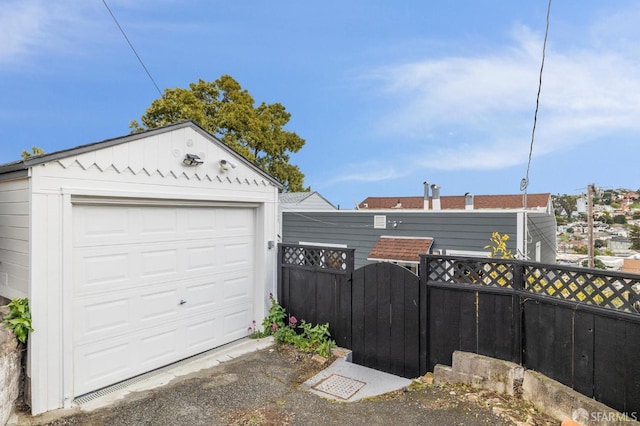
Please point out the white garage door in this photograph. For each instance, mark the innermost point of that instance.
(156, 284)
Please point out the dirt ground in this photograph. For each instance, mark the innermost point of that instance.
(261, 388)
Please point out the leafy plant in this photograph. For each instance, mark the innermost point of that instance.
(304, 336)
(498, 246)
(19, 318)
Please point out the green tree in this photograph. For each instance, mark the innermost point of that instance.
(565, 202)
(597, 264)
(634, 236)
(226, 110)
(34, 151)
(620, 219)
(580, 249)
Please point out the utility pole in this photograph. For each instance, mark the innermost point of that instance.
(590, 190)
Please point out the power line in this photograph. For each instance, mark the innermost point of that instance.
(525, 181)
(131, 46)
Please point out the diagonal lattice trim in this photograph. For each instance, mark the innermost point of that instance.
(323, 258)
(607, 290)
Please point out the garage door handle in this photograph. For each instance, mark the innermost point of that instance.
(182, 302)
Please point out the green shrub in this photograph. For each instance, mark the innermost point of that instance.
(302, 335)
(19, 318)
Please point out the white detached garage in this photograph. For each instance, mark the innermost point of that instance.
(131, 258)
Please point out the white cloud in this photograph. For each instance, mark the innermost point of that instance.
(476, 111)
(36, 28)
(371, 171)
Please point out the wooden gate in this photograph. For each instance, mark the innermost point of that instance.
(388, 327)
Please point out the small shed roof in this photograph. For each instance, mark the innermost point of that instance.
(400, 249)
(299, 197)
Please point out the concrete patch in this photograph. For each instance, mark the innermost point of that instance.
(375, 382)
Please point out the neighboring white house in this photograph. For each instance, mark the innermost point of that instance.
(134, 252)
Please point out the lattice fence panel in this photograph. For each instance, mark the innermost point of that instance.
(321, 258)
(603, 290)
(466, 271)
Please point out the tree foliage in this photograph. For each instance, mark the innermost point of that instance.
(226, 110)
(565, 202)
(34, 151)
(498, 246)
(634, 236)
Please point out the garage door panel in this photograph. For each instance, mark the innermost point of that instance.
(237, 289)
(100, 365)
(101, 269)
(201, 334)
(237, 221)
(158, 222)
(202, 258)
(201, 220)
(101, 317)
(101, 224)
(201, 296)
(158, 305)
(158, 349)
(131, 276)
(234, 322)
(158, 262)
(238, 254)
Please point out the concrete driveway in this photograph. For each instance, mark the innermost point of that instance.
(258, 383)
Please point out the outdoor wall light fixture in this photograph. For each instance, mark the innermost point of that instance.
(226, 164)
(192, 160)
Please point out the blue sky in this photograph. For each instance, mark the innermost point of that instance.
(386, 94)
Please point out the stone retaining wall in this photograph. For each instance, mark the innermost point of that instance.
(551, 397)
(9, 372)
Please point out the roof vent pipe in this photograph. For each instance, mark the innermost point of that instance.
(468, 201)
(426, 195)
(435, 197)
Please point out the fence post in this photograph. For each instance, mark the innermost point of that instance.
(279, 275)
(423, 292)
(518, 312)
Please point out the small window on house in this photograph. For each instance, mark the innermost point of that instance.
(380, 222)
(538, 251)
(413, 267)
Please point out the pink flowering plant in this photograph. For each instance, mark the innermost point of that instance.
(288, 330)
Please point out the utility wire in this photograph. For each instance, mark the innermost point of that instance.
(525, 181)
(131, 46)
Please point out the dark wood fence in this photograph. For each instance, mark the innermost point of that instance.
(314, 284)
(388, 320)
(578, 326)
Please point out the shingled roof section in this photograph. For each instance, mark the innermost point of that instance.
(457, 202)
(400, 249)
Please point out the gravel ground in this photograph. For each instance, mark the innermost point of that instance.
(261, 388)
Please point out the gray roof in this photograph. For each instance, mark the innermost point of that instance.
(294, 197)
(298, 197)
(25, 164)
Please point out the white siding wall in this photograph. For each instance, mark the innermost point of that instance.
(149, 169)
(14, 238)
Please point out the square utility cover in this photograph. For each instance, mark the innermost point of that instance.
(339, 386)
